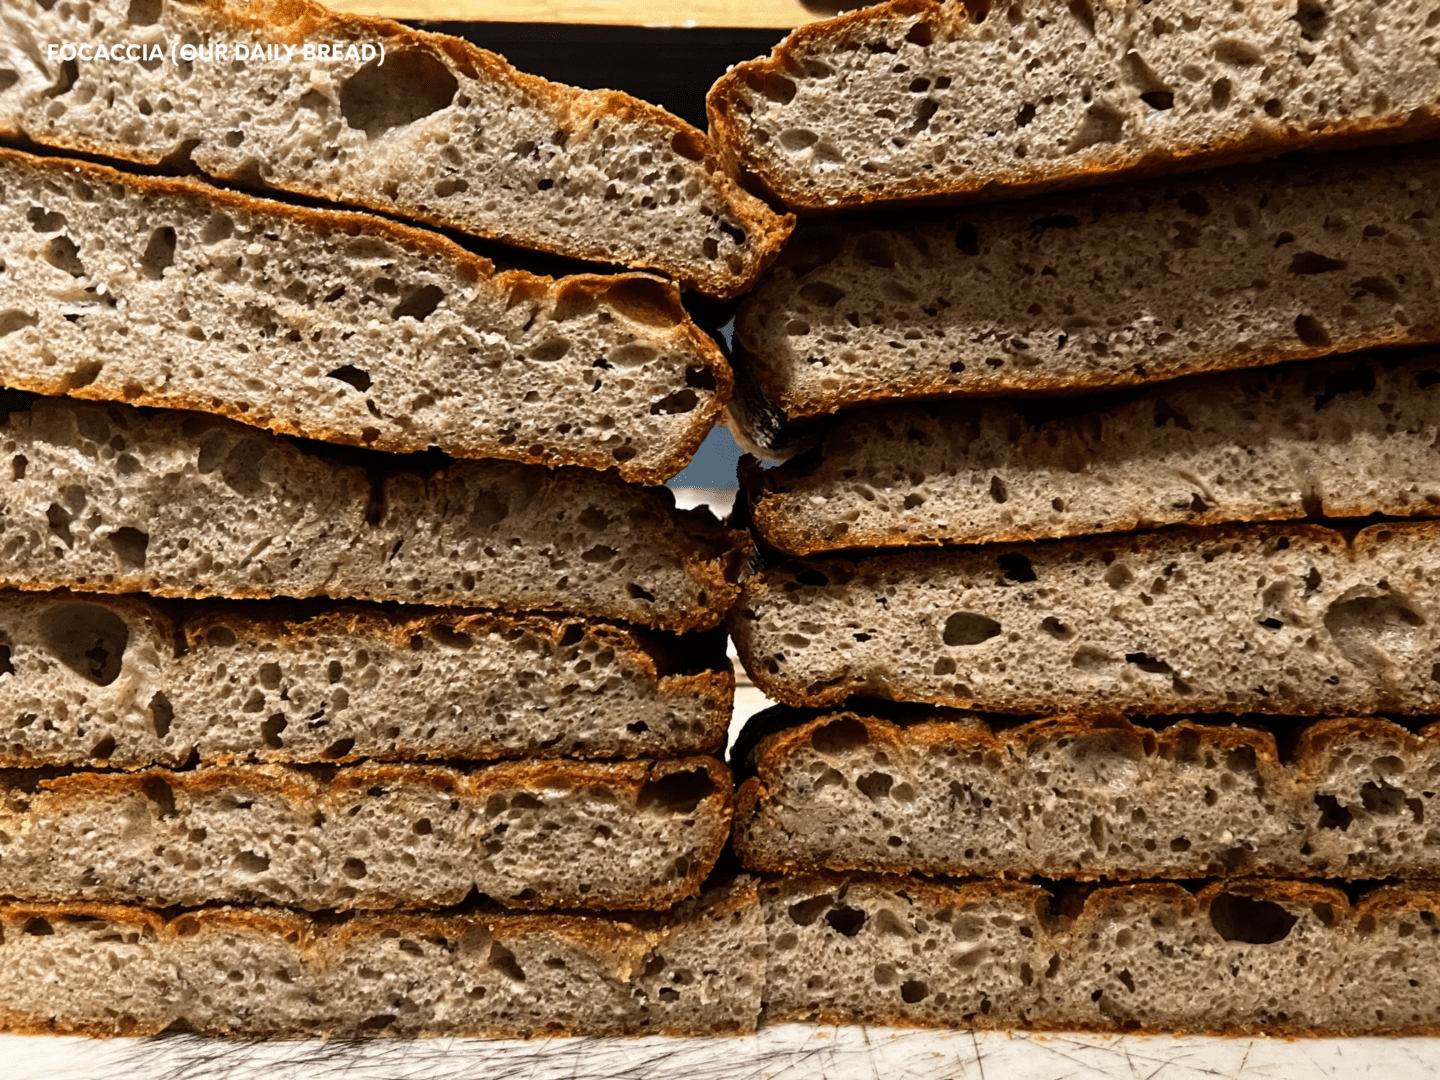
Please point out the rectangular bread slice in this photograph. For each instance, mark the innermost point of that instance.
(1342, 438)
(1288, 619)
(436, 130)
(339, 326)
(929, 101)
(100, 969)
(107, 498)
(127, 682)
(624, 835)
(1238, 268)
(1236, 958)
(945, 793)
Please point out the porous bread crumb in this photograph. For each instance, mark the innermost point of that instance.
(442, 132)
(105, 498)
(625, 835)
(1341, 438)
(123, 682)
(339, 326)
(941, 793)
(1281, 619)
(1233, 958)
(916, 99)
(98, 969)
(1235, 268)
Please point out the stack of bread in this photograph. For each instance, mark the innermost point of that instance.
(353, 679)
(1101, 648)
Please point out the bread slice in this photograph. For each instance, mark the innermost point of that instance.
(435, 130)
(99, 969)
(1339, 438)
(124, 682)
(1169, 277)
(919, 100)
(339, 326)
(1235, 958)
(1289, 619)
(634, 834)
(106, 498)
(944, 793)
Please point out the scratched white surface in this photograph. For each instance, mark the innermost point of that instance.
(785, 1052)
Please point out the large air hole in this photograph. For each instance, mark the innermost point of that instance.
(63, 254)
(410, 86)
(351, 375)
(678, 793)
(646, 301)
(241, 467)
(681, 401)
(503, 960)
(969, 628)
(419, 304)
(14, 320)
(130, 545)
(88, 639)
(805, 912)
(1370, 629)
(1102, 124)
(162, 715)
(159, 254)
(1255, 922)
(144, 12)
(840, 737)
(846, 920)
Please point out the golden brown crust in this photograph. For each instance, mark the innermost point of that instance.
(968, 734)
(714, 558)
(797, 408)
(627, 780)
(698, 344)
(756, 590)
(295, 21)
(766, 495)
(715, 687)
(1070, 933)
(1034, 178)
(614, 941)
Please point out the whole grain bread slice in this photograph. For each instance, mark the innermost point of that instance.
(436, 130)
(102, 969)
(1339, 438)
(1233, 958)
(339, 326)
(625, 835)
(1235, 268)
(1287, 619)
(109, 498)
(127, 682)
(917, 100)
(1062, 798)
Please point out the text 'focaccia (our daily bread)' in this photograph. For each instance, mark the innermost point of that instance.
(918, 99)
(339, 326)
(438, 131)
